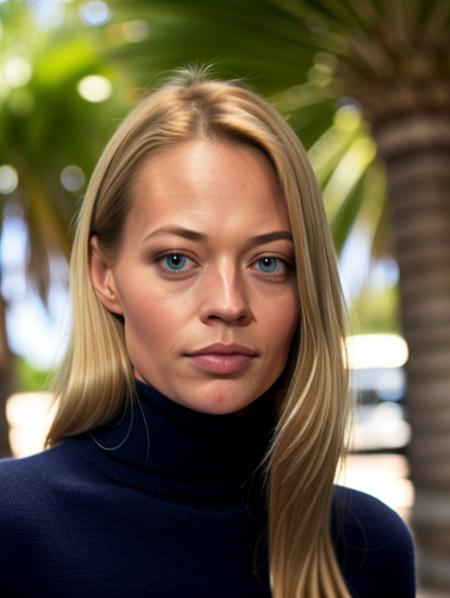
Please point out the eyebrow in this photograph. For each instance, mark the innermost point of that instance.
(193, 235)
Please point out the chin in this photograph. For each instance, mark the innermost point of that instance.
(222, 401)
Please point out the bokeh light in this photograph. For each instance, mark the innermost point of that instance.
(29, 416)
(72, 178)
(95, 13)
(9, 179)
(377, 351)
(17, 71)
(135, 30)
(94, 88)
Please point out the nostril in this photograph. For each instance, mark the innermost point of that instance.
(241, 319)
(230, 317)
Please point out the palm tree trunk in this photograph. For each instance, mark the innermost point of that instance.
(416, 152)
(6, 381)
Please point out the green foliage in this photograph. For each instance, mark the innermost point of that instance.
(375, 310)
(46, 125)
(30, 379)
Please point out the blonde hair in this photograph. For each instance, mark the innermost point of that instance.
(96, 377)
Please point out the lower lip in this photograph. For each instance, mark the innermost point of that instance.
(222, 363)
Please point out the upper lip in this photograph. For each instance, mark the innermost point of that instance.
(224, 349)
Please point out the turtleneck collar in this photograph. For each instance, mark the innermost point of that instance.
(172, 450)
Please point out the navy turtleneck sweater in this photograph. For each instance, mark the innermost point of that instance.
(168, 502)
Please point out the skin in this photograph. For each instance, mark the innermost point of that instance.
(181, 292)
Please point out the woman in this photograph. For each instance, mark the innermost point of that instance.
(203, 401)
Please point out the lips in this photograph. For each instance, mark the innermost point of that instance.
(222, 359)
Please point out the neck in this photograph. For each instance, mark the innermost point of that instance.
(176, 451)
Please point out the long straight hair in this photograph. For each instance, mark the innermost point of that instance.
(96, 378)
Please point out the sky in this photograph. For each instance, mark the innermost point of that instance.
(35, 333)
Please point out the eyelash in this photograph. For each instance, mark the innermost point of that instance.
(286, 265)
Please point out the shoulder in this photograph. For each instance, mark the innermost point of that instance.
(34, 493)
(23, 506)
(363, 514)
(21, 478)
(15, 469)
(24, 481)
(374, 546)
(29, 489)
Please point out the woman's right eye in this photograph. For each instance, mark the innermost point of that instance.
(175, 262)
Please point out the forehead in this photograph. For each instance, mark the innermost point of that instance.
(204, 180)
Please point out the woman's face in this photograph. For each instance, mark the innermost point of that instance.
(204, 277)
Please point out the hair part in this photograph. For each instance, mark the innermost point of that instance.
(95, 381)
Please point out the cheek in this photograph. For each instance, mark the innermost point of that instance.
(285, 319)
(153, 316)
(282, 320)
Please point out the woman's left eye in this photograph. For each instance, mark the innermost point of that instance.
(271, 265)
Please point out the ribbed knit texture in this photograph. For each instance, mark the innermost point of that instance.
(168, 502)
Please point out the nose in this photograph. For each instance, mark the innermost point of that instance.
(226, 298)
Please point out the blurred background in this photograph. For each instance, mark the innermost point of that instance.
(366, 87)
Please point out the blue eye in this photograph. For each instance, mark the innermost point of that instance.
(271, 265)
(175, 262)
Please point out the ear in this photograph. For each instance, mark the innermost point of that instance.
(102, 278)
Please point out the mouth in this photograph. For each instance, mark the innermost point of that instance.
(222, 359)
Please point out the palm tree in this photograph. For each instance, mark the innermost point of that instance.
(46, 126)
(387, 62)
